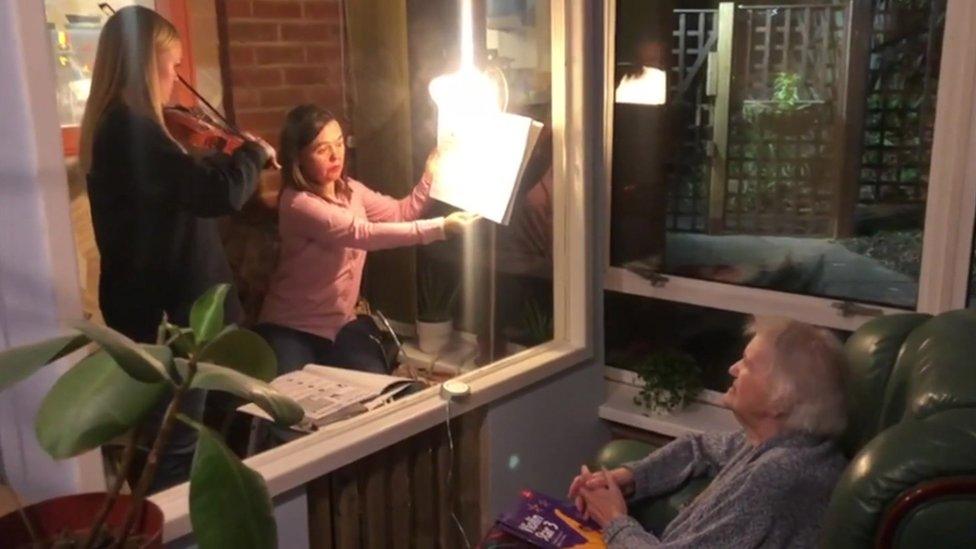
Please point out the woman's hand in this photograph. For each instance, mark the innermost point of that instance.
(604, 503)
(458, 222)
(621, 476)
(268, 150)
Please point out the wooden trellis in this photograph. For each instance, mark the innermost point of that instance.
(900, 100)
(781, 173)
(695, 36)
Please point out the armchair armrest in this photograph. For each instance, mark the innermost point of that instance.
(653, 514)
(934, 513)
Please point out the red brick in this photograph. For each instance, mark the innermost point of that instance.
(255, 76)
(252, 31)
(312, 74)
(237, 8)
(323, 53)
(288, 9)
(279, 55)
(245, 98)
(240, 55)
(282, 97)
(261, 120)
(324, 96)
(322, 10)
(299, 32)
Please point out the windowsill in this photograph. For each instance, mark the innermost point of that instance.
(339, 444)
(703, 415)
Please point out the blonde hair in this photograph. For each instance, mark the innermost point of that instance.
(125, 70)
(808, 374)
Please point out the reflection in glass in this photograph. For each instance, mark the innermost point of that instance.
(793, 149)
(74, 26)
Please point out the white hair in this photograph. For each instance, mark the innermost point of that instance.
(808, 374)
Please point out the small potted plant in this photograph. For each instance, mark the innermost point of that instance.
(435, 310)
(111, 392)
(671, 380)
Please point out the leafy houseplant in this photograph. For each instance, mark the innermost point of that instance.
(435, 310)
(111, 393)
(670, 380)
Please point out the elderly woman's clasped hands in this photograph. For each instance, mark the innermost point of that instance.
(600, 495)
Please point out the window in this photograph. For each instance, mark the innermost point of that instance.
(788, 166)
(799, 157)
(791, 158)
(74, 27)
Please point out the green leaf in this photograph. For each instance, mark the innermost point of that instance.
(207, 314)
(132, 358)
(180, 340)
(244, 351)
(92, 403)
(283, 409)
(18, 363)
(229, 502)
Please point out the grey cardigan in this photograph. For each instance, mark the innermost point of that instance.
(770, 495)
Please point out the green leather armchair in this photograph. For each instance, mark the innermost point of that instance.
(911, 439)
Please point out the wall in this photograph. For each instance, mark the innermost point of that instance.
(279, 53)
(539, 437)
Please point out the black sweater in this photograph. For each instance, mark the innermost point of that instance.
(154, 211)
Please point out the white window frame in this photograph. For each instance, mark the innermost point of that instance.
(950, 204)
(947, 252)
(312, 456)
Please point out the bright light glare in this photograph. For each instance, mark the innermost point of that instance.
(650, 88)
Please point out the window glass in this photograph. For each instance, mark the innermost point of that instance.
(73, 26)
(769, 146)
(639, 328)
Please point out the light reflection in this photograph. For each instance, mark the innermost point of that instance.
(649, 88)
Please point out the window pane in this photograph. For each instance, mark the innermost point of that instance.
(784, 154)
(73, 26)
(638, 328)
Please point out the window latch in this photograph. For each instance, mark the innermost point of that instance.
(848, 309)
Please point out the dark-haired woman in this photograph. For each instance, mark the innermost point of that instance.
(327, 222)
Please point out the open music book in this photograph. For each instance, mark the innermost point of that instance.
(329, 394)
(481, 168)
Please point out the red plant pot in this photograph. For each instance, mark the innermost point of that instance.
(76, 513)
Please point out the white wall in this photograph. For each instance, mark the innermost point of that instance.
(38, 277)
(538, 437)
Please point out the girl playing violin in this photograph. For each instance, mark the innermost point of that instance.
(154, 206)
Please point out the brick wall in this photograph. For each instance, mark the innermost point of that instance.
(275, 54)
(278, 54)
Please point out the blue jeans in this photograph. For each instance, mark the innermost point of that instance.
(356, 346)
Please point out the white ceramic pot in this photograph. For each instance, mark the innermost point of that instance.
(433, 336)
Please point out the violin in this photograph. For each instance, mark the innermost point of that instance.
(198, 132)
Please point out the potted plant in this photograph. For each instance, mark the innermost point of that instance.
(435, 310)
(671, 379)
(110, 393)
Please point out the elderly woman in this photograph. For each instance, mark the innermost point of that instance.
(772, 479)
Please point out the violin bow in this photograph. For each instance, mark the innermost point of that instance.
(109, 10)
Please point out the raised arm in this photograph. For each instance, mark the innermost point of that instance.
(687, 457)
(212, 186)
(311, 217)
(380, 207)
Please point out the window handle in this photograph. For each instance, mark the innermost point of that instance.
(848, 309)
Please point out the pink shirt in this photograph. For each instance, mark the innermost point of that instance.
(315, 286)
